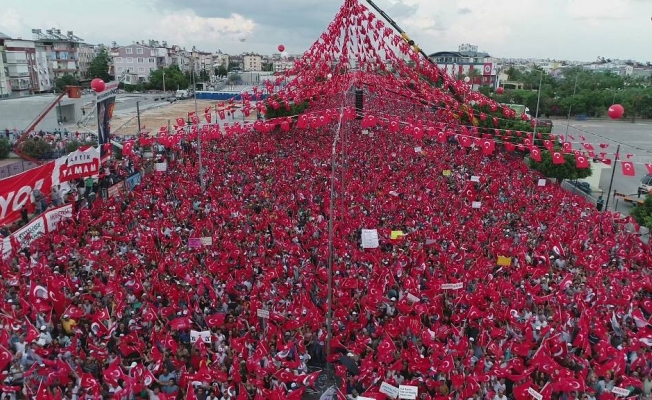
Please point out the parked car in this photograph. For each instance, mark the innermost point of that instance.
(583, 186)
(646, 185)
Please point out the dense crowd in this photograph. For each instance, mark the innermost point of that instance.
(112, 305)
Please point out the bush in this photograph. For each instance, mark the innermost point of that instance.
(643, 214)
(5, 148)
(73, 145)
(37, 148)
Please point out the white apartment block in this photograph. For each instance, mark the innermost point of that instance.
(252, 62)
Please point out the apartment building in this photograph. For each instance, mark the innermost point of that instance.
(220, 60)
(5, 91)
(19, 59)
(134, 62)
(252, 62)
(68, 54)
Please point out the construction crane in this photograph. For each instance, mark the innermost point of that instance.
(73, 92)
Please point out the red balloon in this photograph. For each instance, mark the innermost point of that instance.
(98, 85)
(616, 111)
(500, 90)
(281, 48)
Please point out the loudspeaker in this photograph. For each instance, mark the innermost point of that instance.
(359, 104)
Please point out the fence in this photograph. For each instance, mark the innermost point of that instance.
(16, 168)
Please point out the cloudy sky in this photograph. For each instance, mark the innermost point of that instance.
(560, 29)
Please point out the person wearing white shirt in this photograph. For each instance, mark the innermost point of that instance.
(500, 395)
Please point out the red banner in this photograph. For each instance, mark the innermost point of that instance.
(16, 191)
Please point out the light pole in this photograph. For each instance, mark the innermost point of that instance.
(163, 81)
(138, 115)
(199, 133)
(536, 115)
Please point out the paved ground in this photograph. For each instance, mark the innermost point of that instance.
(635, 139)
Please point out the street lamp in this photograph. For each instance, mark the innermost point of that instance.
(536, 115)
(163, 81)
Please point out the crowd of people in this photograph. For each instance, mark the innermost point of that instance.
(156, 293)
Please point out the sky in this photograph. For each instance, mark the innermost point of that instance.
(557, 29)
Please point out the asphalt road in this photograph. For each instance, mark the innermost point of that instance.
(635, 140)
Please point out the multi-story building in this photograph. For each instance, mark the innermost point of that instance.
(20, 65)
(252, 62)
(44, 82)
(220, 60)
(68, 54)
(5, 89)
(283, 65)
(135, 62)
(202, 61)
(478, 66)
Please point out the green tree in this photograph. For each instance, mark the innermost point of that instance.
(73, 145)
(99, 66)
(221, 71)
(268, 67)
(174, 79)
(5, 148)
(203, 76)
(37, 148)
(567, 170)
(66, 80)
(233, 79)
(642, 214)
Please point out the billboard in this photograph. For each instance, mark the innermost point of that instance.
(105, 105)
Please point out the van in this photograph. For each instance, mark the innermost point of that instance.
(646, 185)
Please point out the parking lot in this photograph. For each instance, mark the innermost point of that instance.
(635, 141)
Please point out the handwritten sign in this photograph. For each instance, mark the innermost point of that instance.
(618, 391)
(542, 182)
(262, 313)
(386, 388)
(475, 179)
(369, 238)
(536, 395)
(417, 149)
(207, 241)
(408, 392)
(476, 204)
(452, 286)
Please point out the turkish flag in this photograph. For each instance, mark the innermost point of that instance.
(488, 147)
(649, 168)
(535, 154)
(581, 161)
(568, 147)
(558, 158)
(588, 146)
(628, 168)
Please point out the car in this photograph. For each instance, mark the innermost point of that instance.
(583, 186)
(646, 185)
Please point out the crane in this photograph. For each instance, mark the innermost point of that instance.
(73, 92)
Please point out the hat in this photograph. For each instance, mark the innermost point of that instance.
(66, 316)
(43, 328)
(393, 299)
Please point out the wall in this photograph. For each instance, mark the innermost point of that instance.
(19, 113)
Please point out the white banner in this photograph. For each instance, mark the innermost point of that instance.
(262, 313)
(618, 391)
(25, 235)
(542, 182)
(452, 286)
(536, 395)
(205, 336)
(161, 167)
(5, 246)
(54, 217)
(476, 204)
(88, 156)
(369, 238)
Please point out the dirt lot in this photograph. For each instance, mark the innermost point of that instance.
(154, 118)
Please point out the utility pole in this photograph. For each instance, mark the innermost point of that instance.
(138, 115)
(613, 172)
(536, 115)
(570, 106)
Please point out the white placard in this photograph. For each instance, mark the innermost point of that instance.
(534, 394)
(206, 241)
(386, 388)
(408, 392)
(413, 298)
(161, 167)
(205, 336)
(452, 286)
(394, 193)
(369, 238)
(475, 179)
(417, 149)
(364, 398)
(618, 391)
(365, 132)
(542, 182)
(262, 313)
(476, 204)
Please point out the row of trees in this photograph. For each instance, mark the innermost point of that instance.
(582, 91)
(40, 149)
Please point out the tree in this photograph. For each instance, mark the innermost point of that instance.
(66, 80)
(5, 148)
(37, 148)
(221, 71)
(174, 79)
(233, 79)
(642, 214)
(268, 67)
(203, 76)
(567, 170)
(99, 66)
(73, 145)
